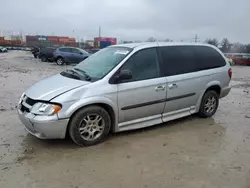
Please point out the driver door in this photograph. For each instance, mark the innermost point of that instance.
(141, 100)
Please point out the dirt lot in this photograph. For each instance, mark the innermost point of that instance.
(190, 153)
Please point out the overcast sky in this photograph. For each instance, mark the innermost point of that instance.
(129, 19)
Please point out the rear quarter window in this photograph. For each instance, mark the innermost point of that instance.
(177, 60)
(208, 58)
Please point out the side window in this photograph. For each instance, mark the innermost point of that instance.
(63, 50)
(177, 60)
(143, 65)
(208, 58)
(76, 51)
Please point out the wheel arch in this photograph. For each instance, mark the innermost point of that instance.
(215, 88)
(214, 85)
(57, 57)
(107, 106)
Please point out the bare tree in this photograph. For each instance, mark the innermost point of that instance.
(213, 41)
(168, 40)
(151, 39)
(238, 48)
(225, 45)
(248, 48)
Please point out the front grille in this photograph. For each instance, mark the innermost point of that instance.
(24, 109)
(30, 101)
(27, 103)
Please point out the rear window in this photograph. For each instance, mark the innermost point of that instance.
(208, 58)
(186, 59)
(48, 49)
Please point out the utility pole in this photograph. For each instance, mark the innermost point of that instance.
(100, 31)
(196, 38)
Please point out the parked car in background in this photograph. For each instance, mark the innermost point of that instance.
(35, 51)
(239, 58)
(65, 55)
(47, 54)
(126, 87)
(2, 49)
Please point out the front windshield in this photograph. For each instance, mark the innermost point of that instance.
(101, 63)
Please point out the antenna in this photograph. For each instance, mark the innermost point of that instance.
(100, 31)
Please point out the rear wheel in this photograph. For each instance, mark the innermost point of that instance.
(209, 104)
(90, 126)
(43, 59)
(60, 61)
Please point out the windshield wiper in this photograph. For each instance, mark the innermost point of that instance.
(88, 78)
(74, 73)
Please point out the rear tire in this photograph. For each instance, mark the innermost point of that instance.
(209, 104)
(90, 126)
(43, 59)
(60, 61)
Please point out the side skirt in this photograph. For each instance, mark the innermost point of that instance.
(154, 120)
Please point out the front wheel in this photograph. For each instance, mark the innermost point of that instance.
(209, 104)
(60, 61)
(90, 126)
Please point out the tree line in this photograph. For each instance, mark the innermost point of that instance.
(224, 45)
(228, 47)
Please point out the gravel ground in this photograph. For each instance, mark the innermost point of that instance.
(190, 153)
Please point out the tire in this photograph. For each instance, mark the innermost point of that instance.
(60, 61)
(43, 58)
(95, 124)
(208, 109)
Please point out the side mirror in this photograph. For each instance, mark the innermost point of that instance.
(125, 75)
(120, 76)
(81, 53)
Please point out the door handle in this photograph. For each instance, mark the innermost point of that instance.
(172, 86)
(160, 88)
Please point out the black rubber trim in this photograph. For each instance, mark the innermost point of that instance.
(180, 97)
(157, 101)
(143, 104)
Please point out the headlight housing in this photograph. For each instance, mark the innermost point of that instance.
(45, 109)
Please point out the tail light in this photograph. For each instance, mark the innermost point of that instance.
(54, 53)
(230, 73)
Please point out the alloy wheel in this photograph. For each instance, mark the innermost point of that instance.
(210, 104)
(59, 61)
(91, 127)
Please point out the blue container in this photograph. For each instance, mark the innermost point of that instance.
(42, 37)
(104, 44)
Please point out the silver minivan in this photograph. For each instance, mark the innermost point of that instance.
(125, 87)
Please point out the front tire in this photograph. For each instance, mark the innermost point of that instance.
(90, 126)
(209, 104)
(60, 61)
